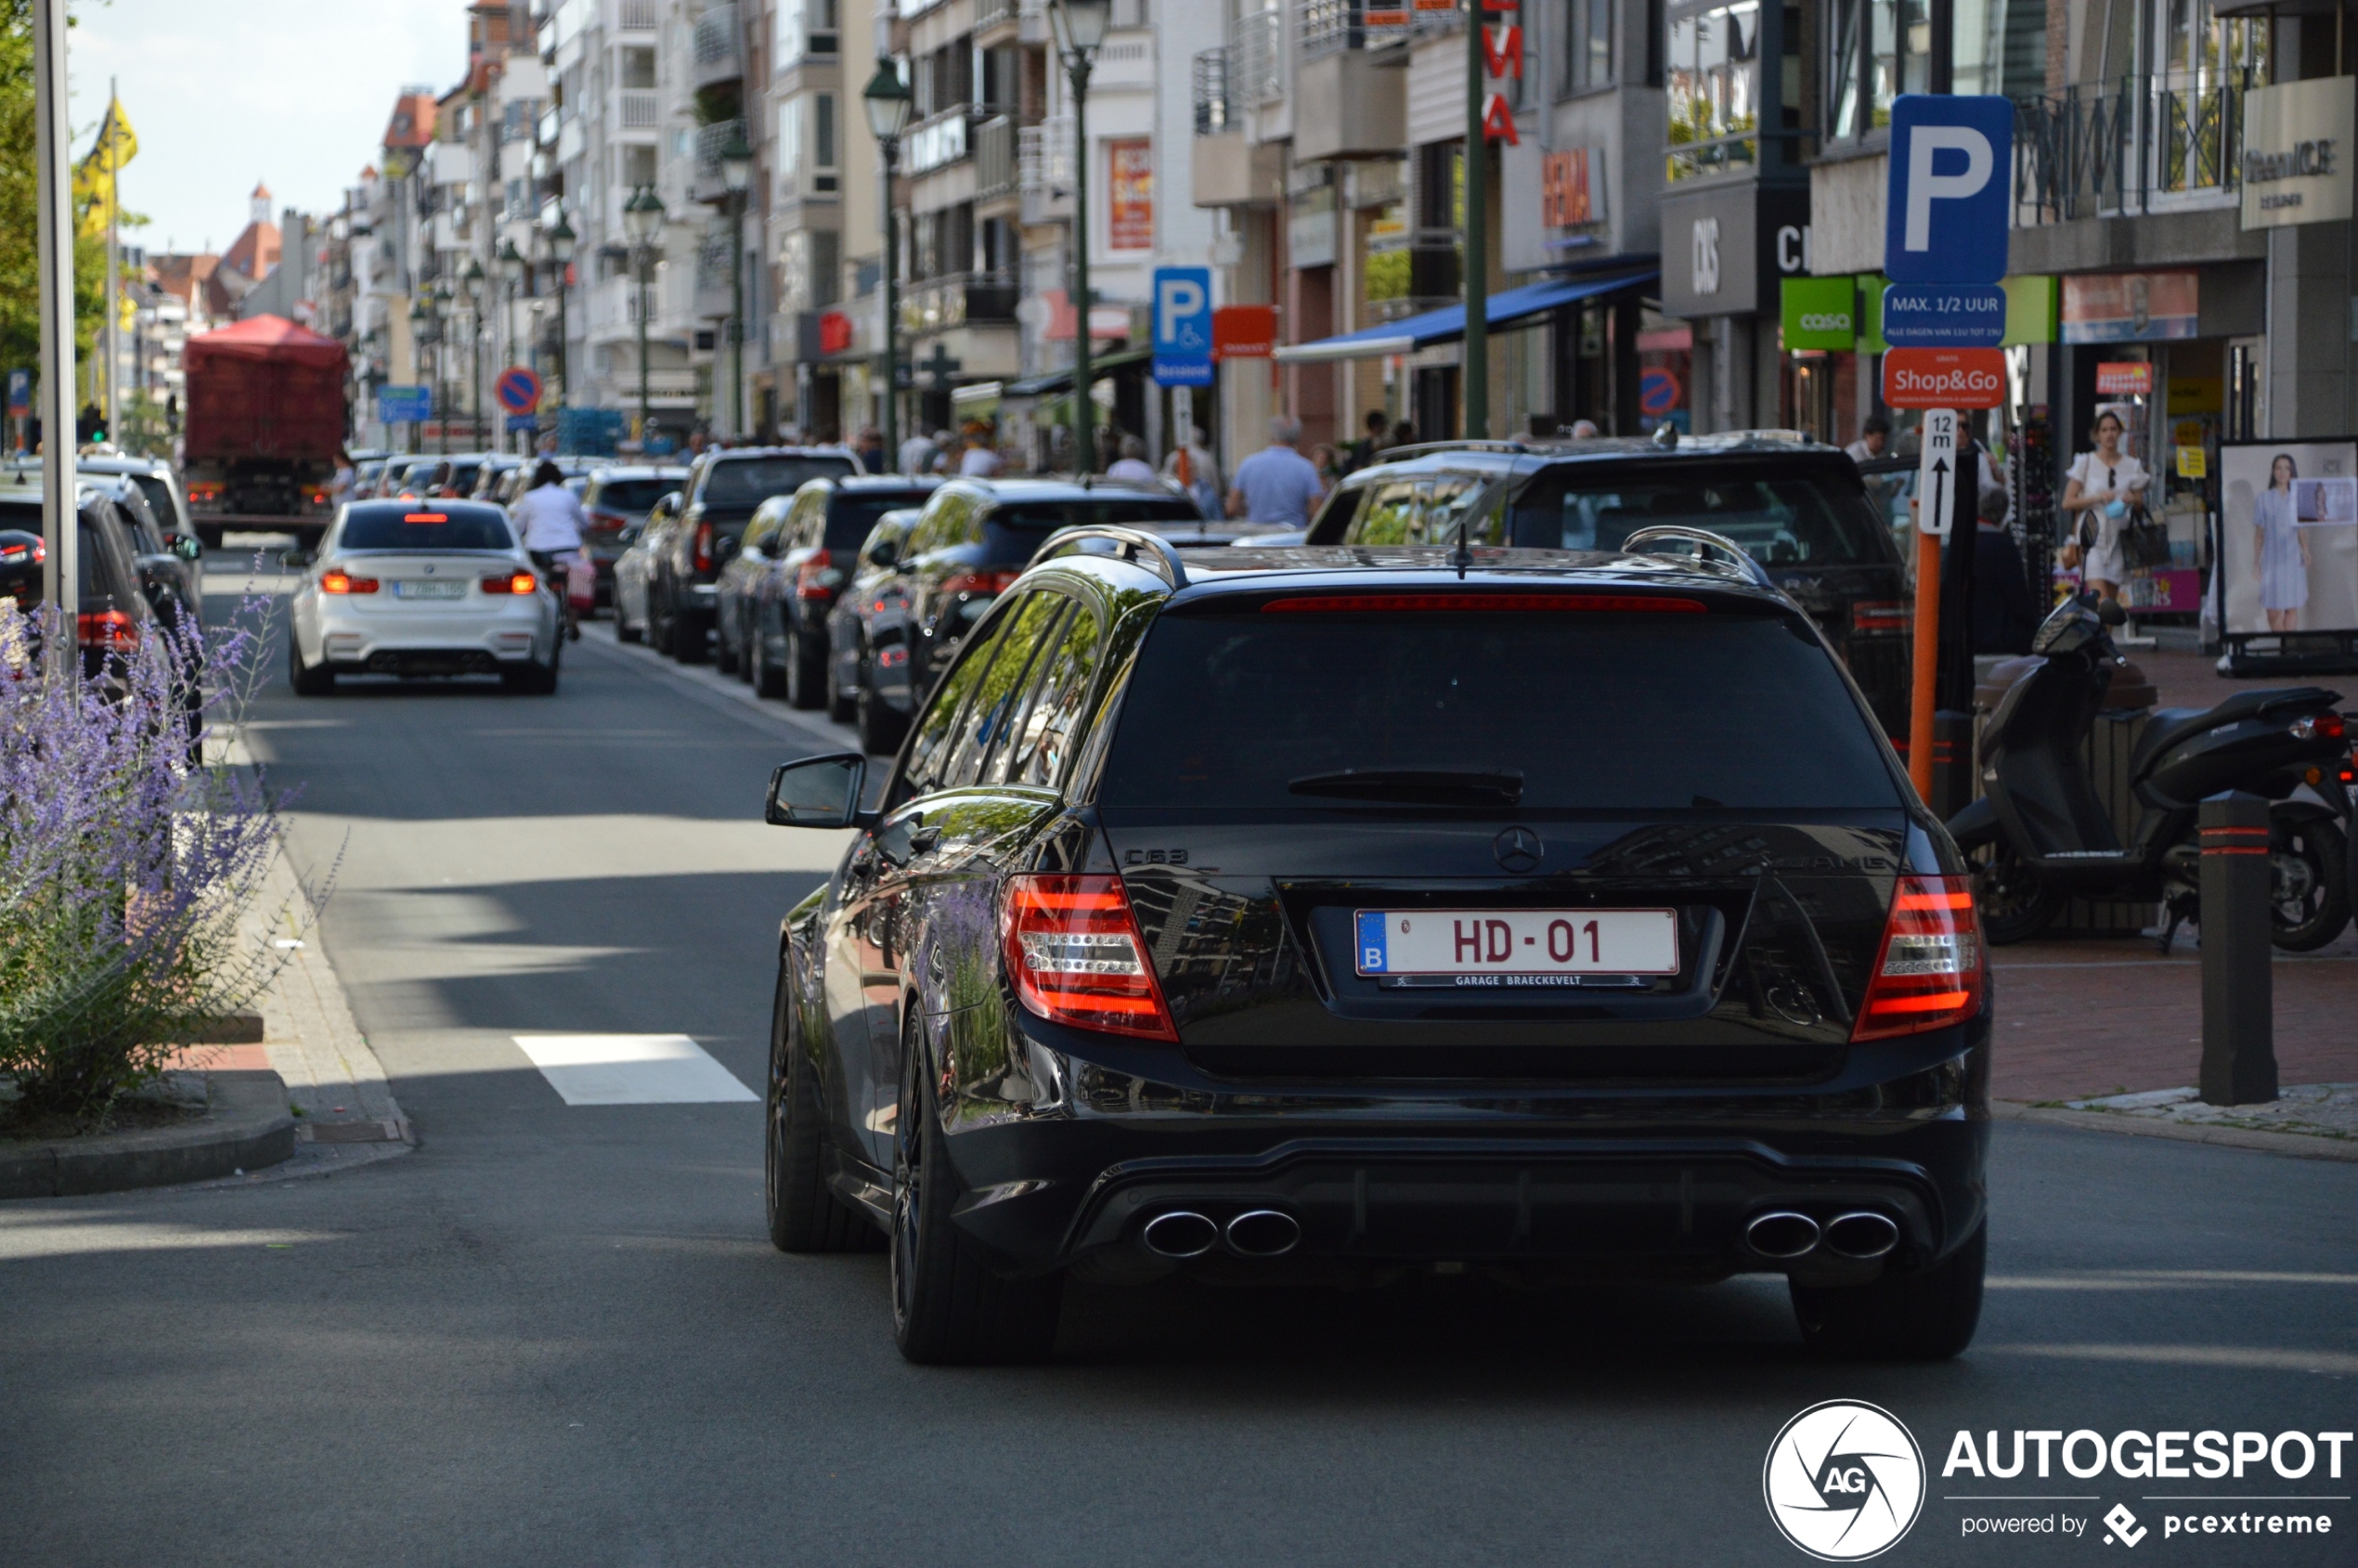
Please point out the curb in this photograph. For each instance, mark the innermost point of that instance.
(246, 1126)
(2299, 1146)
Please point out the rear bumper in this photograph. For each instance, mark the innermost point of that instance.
(1656, 1183)
(415, 640)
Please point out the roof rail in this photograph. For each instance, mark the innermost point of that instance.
(1703, 539)
(1140, 545)
(1426, 448)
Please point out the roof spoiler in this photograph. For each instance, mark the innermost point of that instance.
(1137, 545)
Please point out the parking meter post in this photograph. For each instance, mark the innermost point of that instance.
(2239, 1023)
(1926, 667)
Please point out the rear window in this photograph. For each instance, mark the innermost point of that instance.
(158, 496)
(1596, 710)
(634, 495)
(451, 526)
(850, 518)
(750, 481)
(1782, 519)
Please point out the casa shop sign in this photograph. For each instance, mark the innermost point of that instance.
(1501, 61)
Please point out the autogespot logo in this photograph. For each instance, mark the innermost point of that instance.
(1843, 1481)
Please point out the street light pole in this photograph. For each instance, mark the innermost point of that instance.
(560, 243)
(736, 173)
(1476, 372)
(1080, 27)
(643, 221)
(473, 282)
(887, 100)
(512, 267)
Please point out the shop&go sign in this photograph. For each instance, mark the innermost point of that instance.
(2296, 158)
(1944, 378)
(1820, 313)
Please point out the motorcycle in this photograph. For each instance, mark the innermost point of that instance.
(2041, 836)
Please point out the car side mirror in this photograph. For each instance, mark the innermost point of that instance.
(188, 547)
(297, 559)
(818, 792)
(885, 554)
(2109, 612)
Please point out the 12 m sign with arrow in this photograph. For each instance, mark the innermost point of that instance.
(1936, 475)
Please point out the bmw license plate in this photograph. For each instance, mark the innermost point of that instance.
(429, 591)
(1515, 946)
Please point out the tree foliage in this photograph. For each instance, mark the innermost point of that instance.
(19, 204)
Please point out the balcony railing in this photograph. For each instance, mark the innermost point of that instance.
(637, 15)
(996, 13)
(1328, 27)
(710, 140)
(939, 141)
(641, 108)
(997, 161)
(936, 304)
(2141, 144)
(1256, 58)
(717, 49)
(1215, 110)
(1043, 163)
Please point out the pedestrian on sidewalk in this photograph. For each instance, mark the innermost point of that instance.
(1132, 467)
(1277, 483)
(2101, 488)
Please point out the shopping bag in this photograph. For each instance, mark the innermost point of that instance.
(581, 583)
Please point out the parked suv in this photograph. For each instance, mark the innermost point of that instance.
(1799, 508)
(781, 632)
(723, 491)
(617, 500)
(1561, 913)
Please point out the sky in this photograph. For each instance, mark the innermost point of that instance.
(223, 93)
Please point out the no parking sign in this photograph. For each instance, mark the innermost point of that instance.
(517, 389)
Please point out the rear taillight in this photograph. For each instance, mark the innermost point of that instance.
(1882, 614)
(980, 582)
(704, 547)
(1073, 952)
(23, 554)
(513, 582)
(337, 580)
(110, 629)
(2324, 726)
(1367, 604)
(815, 579)
(1928, 975)
(892, 658)
(608, 522)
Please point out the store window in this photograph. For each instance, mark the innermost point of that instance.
(1714, 82)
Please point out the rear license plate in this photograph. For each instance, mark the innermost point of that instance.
(1516, 945)
(429, 591)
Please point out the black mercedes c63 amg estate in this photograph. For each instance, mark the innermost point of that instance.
(1337, 911)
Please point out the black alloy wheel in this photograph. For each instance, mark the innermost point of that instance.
(2014, 901)
(805, 672)
(843, 702)
(659, 625)
(804, 1216)
(947, 1308)
(1922, 1315)
(724, 652)
(768, 681)
(308, 681)
(2308, 898)
(691, 635)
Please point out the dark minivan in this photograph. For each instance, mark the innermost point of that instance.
(1798, 508)
(1325, 912)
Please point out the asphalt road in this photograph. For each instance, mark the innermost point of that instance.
(557, 1335)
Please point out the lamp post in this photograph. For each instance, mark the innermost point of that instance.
(889, 102)
(421, 329)
(512, 267)
(1080, 27)
(471, 280)
(441, 362)
(642, 222)
(562, 239)
(736, 173)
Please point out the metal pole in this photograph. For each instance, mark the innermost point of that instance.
(52, 144)
(1476, 369)
(474, 393)
(646, 263)
(2238, 1020)
(891, 145)
(737, 313)
(108, 315)
(564, 386)
(1084, 419)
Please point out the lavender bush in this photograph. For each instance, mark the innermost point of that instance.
(125, 862)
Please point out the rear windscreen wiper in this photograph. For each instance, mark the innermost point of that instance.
(1416, 786)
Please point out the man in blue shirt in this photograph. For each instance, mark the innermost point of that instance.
(1276, 483)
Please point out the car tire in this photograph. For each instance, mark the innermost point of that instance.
(2309, 897)
(534, 679)
(769, 680)
(842, 706)
(948, 1308)
(805, 674)
(688, 635)
(724, 653)
(1927, 1314)
(2011, 901)
(880, 729)
(805, 1214)
(623, 630)
(308, 681)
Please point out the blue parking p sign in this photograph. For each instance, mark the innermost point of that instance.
(1182, 326)
(1952, 162)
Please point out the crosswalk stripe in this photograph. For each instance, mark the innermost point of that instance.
(631, 1070)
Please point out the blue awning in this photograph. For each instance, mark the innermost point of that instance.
(1506, 308)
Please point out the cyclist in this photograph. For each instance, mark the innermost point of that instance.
(550, 517)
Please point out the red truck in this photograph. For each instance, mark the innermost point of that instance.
(263, 426)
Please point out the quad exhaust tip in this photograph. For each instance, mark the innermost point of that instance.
(1781, 1233)
(1861, 1234)
(1181, 1234)
(1263, 1233)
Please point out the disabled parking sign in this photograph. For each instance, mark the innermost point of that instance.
(1182, 326)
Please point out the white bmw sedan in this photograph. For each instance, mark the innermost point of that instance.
(409, 588)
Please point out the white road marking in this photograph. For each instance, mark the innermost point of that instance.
(631, 1070)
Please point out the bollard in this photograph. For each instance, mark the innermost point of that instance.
(2238, 1015)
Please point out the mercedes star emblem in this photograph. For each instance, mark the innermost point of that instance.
(1519, 850)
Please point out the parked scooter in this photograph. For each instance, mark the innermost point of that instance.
(2039, 835)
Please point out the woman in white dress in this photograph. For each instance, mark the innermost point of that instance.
(2101, 486)
(2279, 549)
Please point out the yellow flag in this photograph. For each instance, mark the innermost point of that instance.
(94, 195)
(116, 138)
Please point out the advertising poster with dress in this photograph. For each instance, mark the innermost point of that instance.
(2289, 537)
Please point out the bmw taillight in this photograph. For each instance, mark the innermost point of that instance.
(337, 580)
(113, 631)
(1928, 975)
(980, 582)
(510, 582)
(815, 579)
(607, 522)
(1882, 614)
(1074, 950)
(704, 547)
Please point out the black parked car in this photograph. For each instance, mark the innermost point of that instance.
(167, 500)
(167, 564)
(1563, 915)
(618, 499)
(113, 615)
(724, 489)
(781, 634)
(1798, 508)
(875, 591)
(974, 536)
